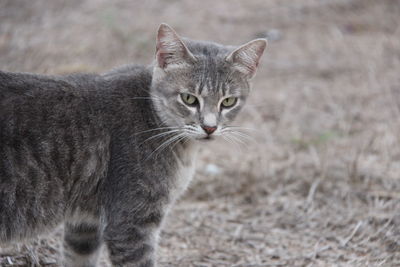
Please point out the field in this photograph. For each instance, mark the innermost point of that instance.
(318, 183)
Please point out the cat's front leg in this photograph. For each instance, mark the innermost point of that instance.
(132, 241)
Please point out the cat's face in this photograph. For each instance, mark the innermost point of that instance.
(198, 88)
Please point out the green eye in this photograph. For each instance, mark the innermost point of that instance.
(229, 102)
(189, 99)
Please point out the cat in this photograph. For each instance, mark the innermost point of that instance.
(108, 154)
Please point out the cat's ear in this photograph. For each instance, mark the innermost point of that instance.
(246, 58)
(170, 49)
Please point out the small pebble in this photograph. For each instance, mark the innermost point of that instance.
(212, 169)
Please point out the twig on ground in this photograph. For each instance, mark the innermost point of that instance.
(347, 240)
(311, 193)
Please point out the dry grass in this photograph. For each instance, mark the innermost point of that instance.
(319, 183)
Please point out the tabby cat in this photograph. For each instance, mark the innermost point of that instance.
(107, 155)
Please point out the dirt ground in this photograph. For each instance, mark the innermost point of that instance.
(318, 183)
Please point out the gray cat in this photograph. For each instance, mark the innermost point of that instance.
(107, 155)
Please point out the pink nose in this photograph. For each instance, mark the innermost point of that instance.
(209, 130)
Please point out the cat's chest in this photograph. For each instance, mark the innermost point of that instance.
(185, 169)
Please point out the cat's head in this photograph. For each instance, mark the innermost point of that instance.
(198, 88)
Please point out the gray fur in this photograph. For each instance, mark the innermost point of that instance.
(94, 152)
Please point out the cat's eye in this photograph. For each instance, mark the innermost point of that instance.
(229, 102)
(189, 99)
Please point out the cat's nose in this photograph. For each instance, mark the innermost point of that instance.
(209, 130)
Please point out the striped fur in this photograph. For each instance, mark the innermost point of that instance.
(94, 151)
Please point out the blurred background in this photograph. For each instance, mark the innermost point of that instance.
(316, 184)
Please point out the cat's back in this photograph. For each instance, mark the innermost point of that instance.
(42, 107)
(27, 86)
(38, 111)
(52, 145)
(44, 98)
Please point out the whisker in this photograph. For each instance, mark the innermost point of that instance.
(184, 139)
(165, 143)
(238, 139)
(156, 129)
(176, 139)
(162, 134)
(232, 142)
(244, 136)
(190, 127)
(236, 128)
(191, 131)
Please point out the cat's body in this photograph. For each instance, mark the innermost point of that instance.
(94, 152)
